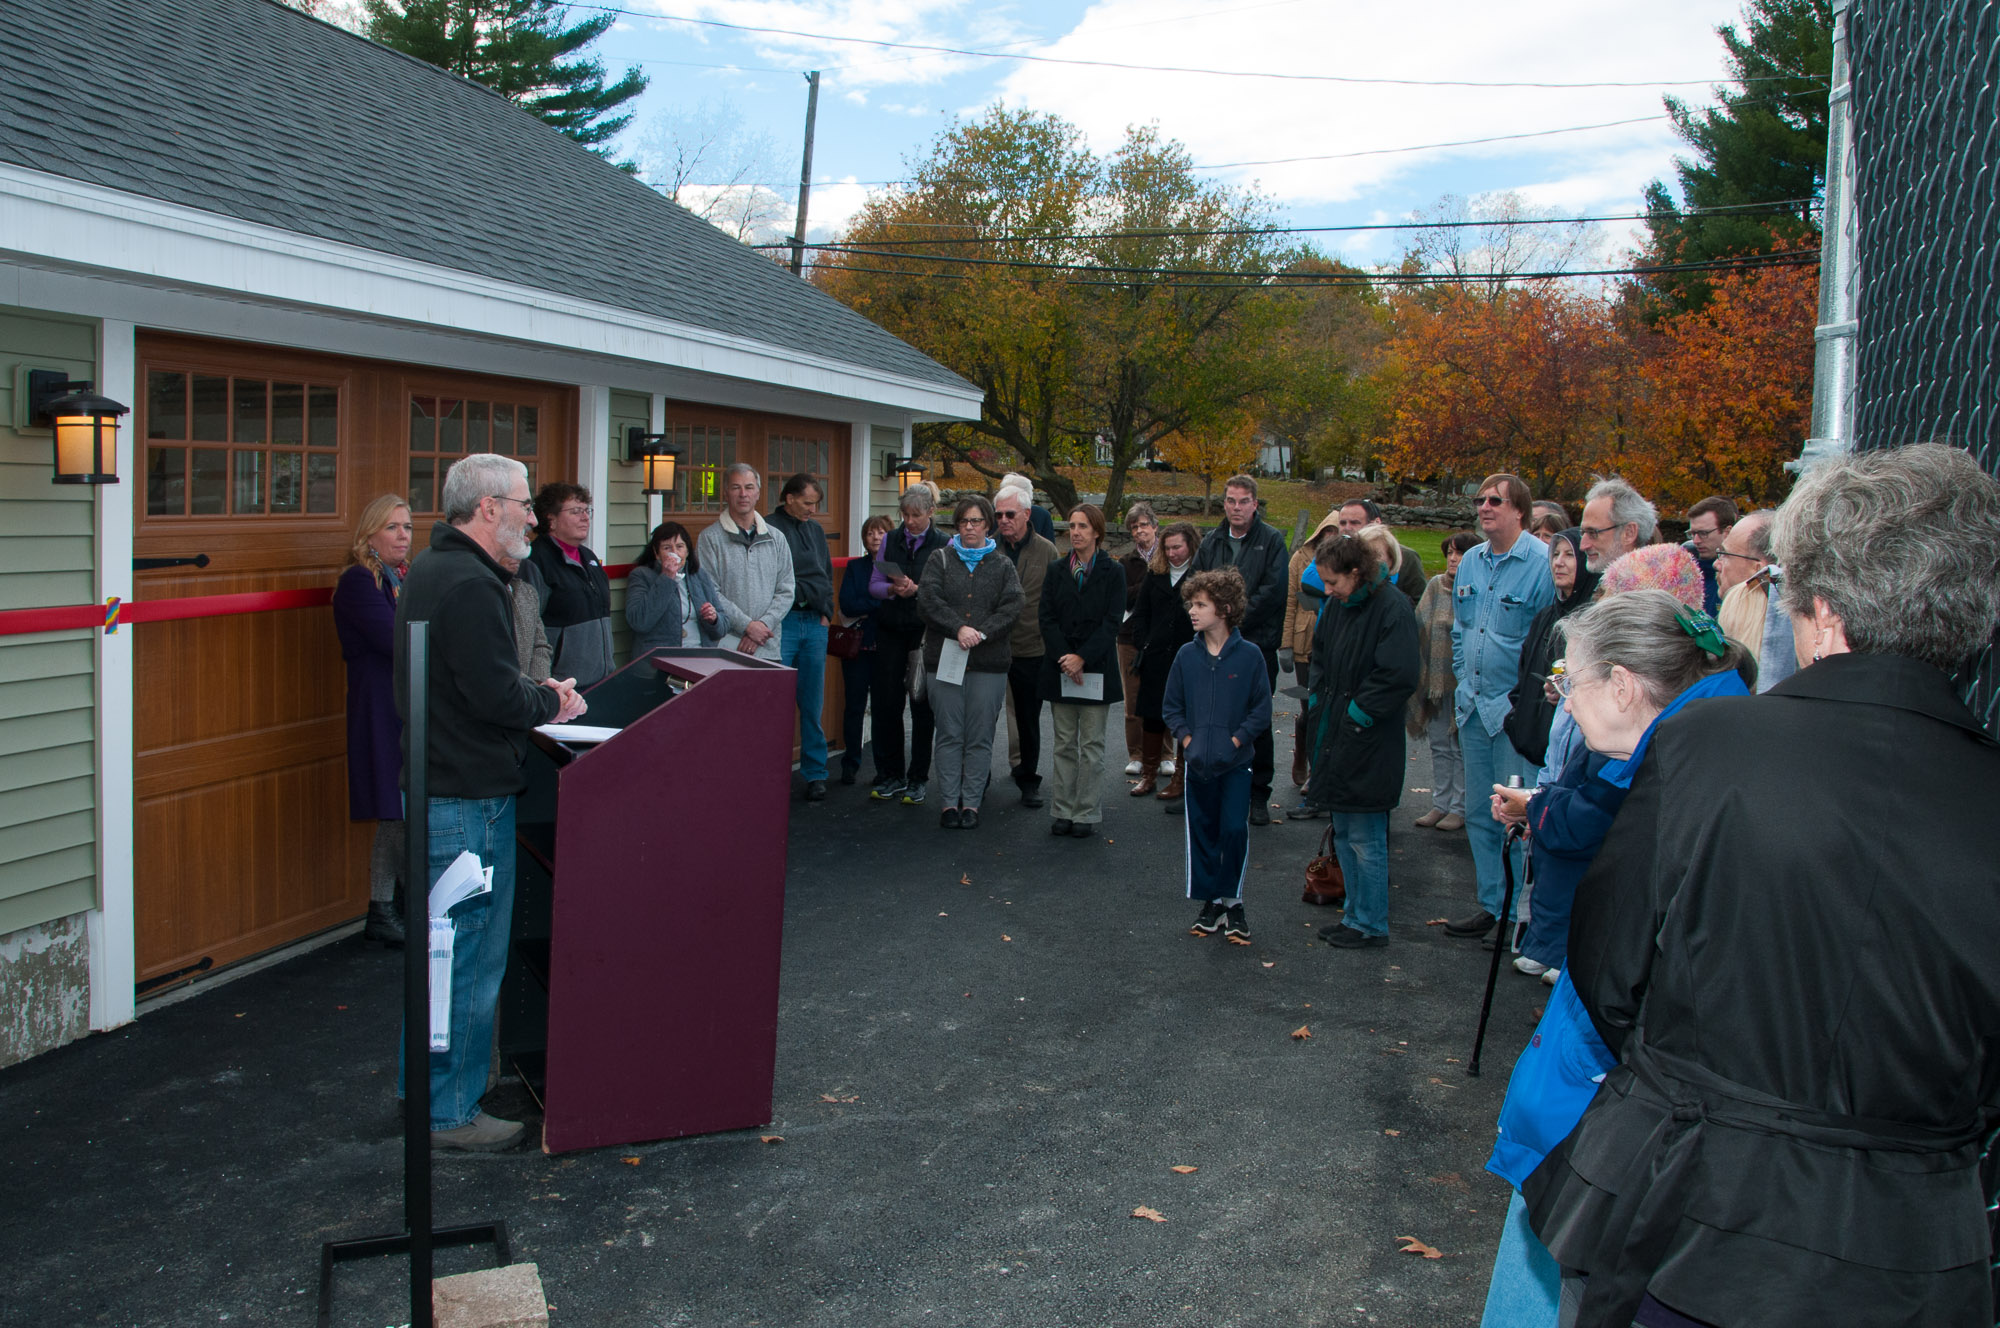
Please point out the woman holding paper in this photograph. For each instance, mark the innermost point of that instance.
(1083, 601)
(968, 597)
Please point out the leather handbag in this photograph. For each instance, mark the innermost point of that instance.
(1324, 883)
(843, 641)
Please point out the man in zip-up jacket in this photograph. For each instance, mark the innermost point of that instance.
(803, 640)
(1257, 551)
(480, 708)
(1218, 703)
(751, 566)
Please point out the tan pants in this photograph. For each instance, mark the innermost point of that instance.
(1126, 655)
(1079, 762)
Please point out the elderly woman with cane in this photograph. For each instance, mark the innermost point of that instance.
(1787, 945)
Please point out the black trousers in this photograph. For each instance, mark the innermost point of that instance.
(1263, 759)
(1024, 682)
(859, 675)
(891, 693)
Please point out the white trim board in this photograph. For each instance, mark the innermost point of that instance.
(66, 226)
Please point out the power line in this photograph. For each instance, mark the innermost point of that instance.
(869, 247)
(1169, 69)
(1301, 280)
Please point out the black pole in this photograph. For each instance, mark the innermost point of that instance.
(417, 985)
(1500, 942)
(805, 175)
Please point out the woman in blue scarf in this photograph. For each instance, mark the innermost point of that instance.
(968, 598)
(1630, 662)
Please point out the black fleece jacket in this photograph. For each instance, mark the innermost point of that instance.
(481, 705)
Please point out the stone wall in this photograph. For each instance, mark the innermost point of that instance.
(44, 987)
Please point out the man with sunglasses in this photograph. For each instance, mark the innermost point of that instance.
(1501, 585)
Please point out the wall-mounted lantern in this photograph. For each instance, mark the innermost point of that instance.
(904, 470)
(660, 462)
(85, 425)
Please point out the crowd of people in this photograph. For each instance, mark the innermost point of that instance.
(1749, 809)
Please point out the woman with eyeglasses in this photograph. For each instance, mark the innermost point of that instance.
(577, 613)
(1083, 602)
(969, 597)
(1630, 662)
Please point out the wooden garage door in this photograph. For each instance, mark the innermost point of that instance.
(263, 459)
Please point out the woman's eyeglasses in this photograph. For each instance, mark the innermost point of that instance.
(1565, 681)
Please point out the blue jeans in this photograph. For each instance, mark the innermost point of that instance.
(1526, 1288)
(484, 925)
(1489, 759)
(1361, 843)
(804, 648)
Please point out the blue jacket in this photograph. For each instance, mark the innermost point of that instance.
(856, 604)
(1213, 698)
(1568, 820)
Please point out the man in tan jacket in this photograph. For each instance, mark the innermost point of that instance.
(1031, 556)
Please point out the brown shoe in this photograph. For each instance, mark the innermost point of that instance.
(1149, 764)
(1172, 792)
(1429, 819)
(1451, 821)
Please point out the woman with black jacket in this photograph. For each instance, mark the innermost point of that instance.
(969, 597)
(1527, 725)
(1364, 669)
(857, 609)
(1083, 601)
(1159, 627)
(577, 612)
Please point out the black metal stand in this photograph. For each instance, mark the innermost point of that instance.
(1500, 941)
(418, 1238)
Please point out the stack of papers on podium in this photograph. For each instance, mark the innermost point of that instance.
(463, 879)
(578, 734)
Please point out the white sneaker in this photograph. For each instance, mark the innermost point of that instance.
(1166, 767)
(1133, 767)
(1553, 976)
(1530, 967)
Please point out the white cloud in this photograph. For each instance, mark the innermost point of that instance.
(1229, 120)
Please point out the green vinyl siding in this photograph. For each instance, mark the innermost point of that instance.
(48, 809)
(882, 493)
(624, 507)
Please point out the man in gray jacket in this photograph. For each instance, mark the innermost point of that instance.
(751, 566)
(1031, 556)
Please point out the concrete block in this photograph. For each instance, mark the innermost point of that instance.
(509, 1297)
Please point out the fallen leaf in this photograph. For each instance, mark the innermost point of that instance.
(944, 915)
(1301, 1033)
(828, 1097)
(1451, 1178)
(1416, 1246)
(1184, 1171)
(1150, 1214)
(1436, 1080)
(1005, 937)
(965, 880)
(1270, 963)
(340, 1007)
(241, 1013)
(1451, 1060)
(1436, 922)
(1393, 1134)
(629, 1161)
(770, 1138)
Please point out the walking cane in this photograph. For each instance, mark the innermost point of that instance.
(1500, 946)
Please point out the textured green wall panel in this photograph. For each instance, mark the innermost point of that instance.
(50, 902)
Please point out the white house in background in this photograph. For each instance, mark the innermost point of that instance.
(318, 270)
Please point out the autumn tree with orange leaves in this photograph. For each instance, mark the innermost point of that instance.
(1536, 380)
(1728, 391)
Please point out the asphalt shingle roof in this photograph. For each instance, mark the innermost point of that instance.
(255, 111)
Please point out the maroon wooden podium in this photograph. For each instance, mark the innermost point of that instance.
(650, 903)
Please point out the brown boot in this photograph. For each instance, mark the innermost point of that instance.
(1149, 764)
(1172, 792)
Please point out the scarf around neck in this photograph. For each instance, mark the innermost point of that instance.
(971, 557)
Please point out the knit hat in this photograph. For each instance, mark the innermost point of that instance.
(1667, 567)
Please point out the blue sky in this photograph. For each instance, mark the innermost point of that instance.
(880, 106)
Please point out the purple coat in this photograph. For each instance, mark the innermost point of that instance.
(365, 616)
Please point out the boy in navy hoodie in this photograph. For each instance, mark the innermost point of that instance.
(1218, 702)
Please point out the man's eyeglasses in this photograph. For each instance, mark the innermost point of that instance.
(1492, 500)
(1746, 557)
(528, 503)
(1595, 532)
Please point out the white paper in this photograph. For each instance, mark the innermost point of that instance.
(1090, 689)
(459, 882)
(442, 936)
(578, 734)
(951, 663)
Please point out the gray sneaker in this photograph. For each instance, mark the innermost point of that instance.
(886, 790)
(482, 1134)
(915, 792)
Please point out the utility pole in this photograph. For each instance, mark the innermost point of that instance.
(805, 175)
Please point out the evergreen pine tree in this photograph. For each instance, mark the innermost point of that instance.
(525, 50)
(1764, 143)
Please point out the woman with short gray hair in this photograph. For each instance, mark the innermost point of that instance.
(1787, 943)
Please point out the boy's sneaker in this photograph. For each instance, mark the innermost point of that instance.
(1235, 929)
(914, 793)
(886, 790)
(1210, 921)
